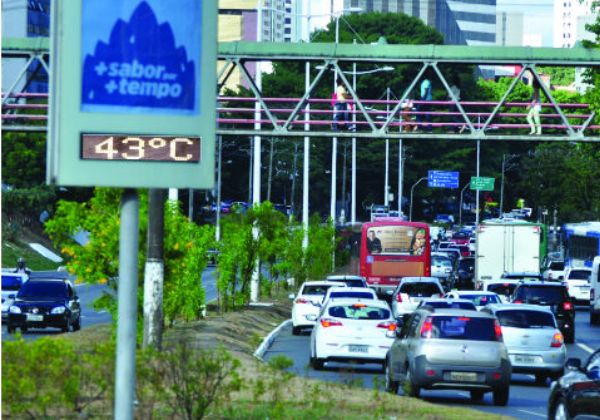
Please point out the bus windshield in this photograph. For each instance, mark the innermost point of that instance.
(396, 240)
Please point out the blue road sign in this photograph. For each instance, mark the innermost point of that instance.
(442, 179)
(141, 56)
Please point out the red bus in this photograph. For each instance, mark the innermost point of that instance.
(391, 249)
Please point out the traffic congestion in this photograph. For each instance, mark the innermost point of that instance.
(465, 310)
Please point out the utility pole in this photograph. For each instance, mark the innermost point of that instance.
(191, 205)
(270, 176)
(293, 194)
(154, 270)
(219, 170)
(477, 196)
(387, 153)
(412, 190)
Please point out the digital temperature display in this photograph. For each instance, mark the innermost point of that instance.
(141, 148)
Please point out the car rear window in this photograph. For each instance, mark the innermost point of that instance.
(463, 328)
(315, 290)
(557, 265)
(32, 289)
(481, 300)
(579, 275)
(420, 289)
(506, 289)
(11, 283)
(525, 319)
(442, 262)
(354, 283)
(450, 304)
(356, 295)
(359, 311)
(540, 295)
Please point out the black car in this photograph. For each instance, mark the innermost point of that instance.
(577, 393)
(43, 303)
(553, 295)
(466, 272)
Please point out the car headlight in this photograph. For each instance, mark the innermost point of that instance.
(58, 310)
(15, 310)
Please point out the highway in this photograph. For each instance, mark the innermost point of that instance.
(88, 293)
(527, 400)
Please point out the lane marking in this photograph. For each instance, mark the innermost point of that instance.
(584, 347)
(533, 413)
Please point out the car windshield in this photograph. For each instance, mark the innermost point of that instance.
(450, 304)
(463, 328)
(481, 300)
(11, 283)
(506, 289)
(53, 289)
(420, 289)
(357, 295)
(359, 311)
(316, 290)
(525, 277)
(525, 319)
(542, 295)
(579, 275)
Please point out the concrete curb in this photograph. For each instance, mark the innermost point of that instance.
(268, 340)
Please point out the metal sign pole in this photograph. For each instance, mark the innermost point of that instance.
(127, 304)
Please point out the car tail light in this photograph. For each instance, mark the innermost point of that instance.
(518, 301)
(430, 372)
(567, 306)
(302, 300)
(498, 330)
(557, 340)
(388, 325)
(496, 376)
(582, 386)
(326, 322)
(427, 328)
(399, 297)
(359, 305)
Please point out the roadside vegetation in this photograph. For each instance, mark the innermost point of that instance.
(206, 370)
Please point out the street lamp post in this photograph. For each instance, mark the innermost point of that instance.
(505, 162)
(412, 190)
(387, 153)
(460, 207)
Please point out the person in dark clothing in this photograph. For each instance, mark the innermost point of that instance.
(373, 243)
(22, 267)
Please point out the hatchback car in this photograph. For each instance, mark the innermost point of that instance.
(411, 291)
(11, 283)
(535, 344)
(554, 271)
(450, 349)
(503, 288)
(577, 394)
(43, 303)
(349, 330)
(442, 268)
(556, 297)
(466, 272)
(307, 302)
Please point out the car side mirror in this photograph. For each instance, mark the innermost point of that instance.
(573, 363)
(291, 296)
(311, 317)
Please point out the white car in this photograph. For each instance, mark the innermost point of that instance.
(442, 267)
(554, 271)
(479, 298)
(472, 245)
(504, 288)
(11, 283)
(349, 330)
(308, 302)
(413, 290)
(363, 293)
(535, 344)
(578, 280)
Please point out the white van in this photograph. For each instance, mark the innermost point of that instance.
(595, 292)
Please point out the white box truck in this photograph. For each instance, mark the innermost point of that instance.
(508, 247)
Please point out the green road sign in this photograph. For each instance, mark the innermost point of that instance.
(133, 93)
(482, 183)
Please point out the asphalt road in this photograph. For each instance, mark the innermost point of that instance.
(88, 293)
(527, 400)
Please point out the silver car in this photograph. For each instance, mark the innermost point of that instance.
(450, 349)
(534, 342)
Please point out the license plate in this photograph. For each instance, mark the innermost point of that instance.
(584, 287)
(524, 359)
(31, 317)
(358, 349)
(463, 376)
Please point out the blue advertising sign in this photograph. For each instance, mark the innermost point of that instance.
(141, 56)
(442, 179)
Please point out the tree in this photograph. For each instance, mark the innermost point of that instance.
(185, 248)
